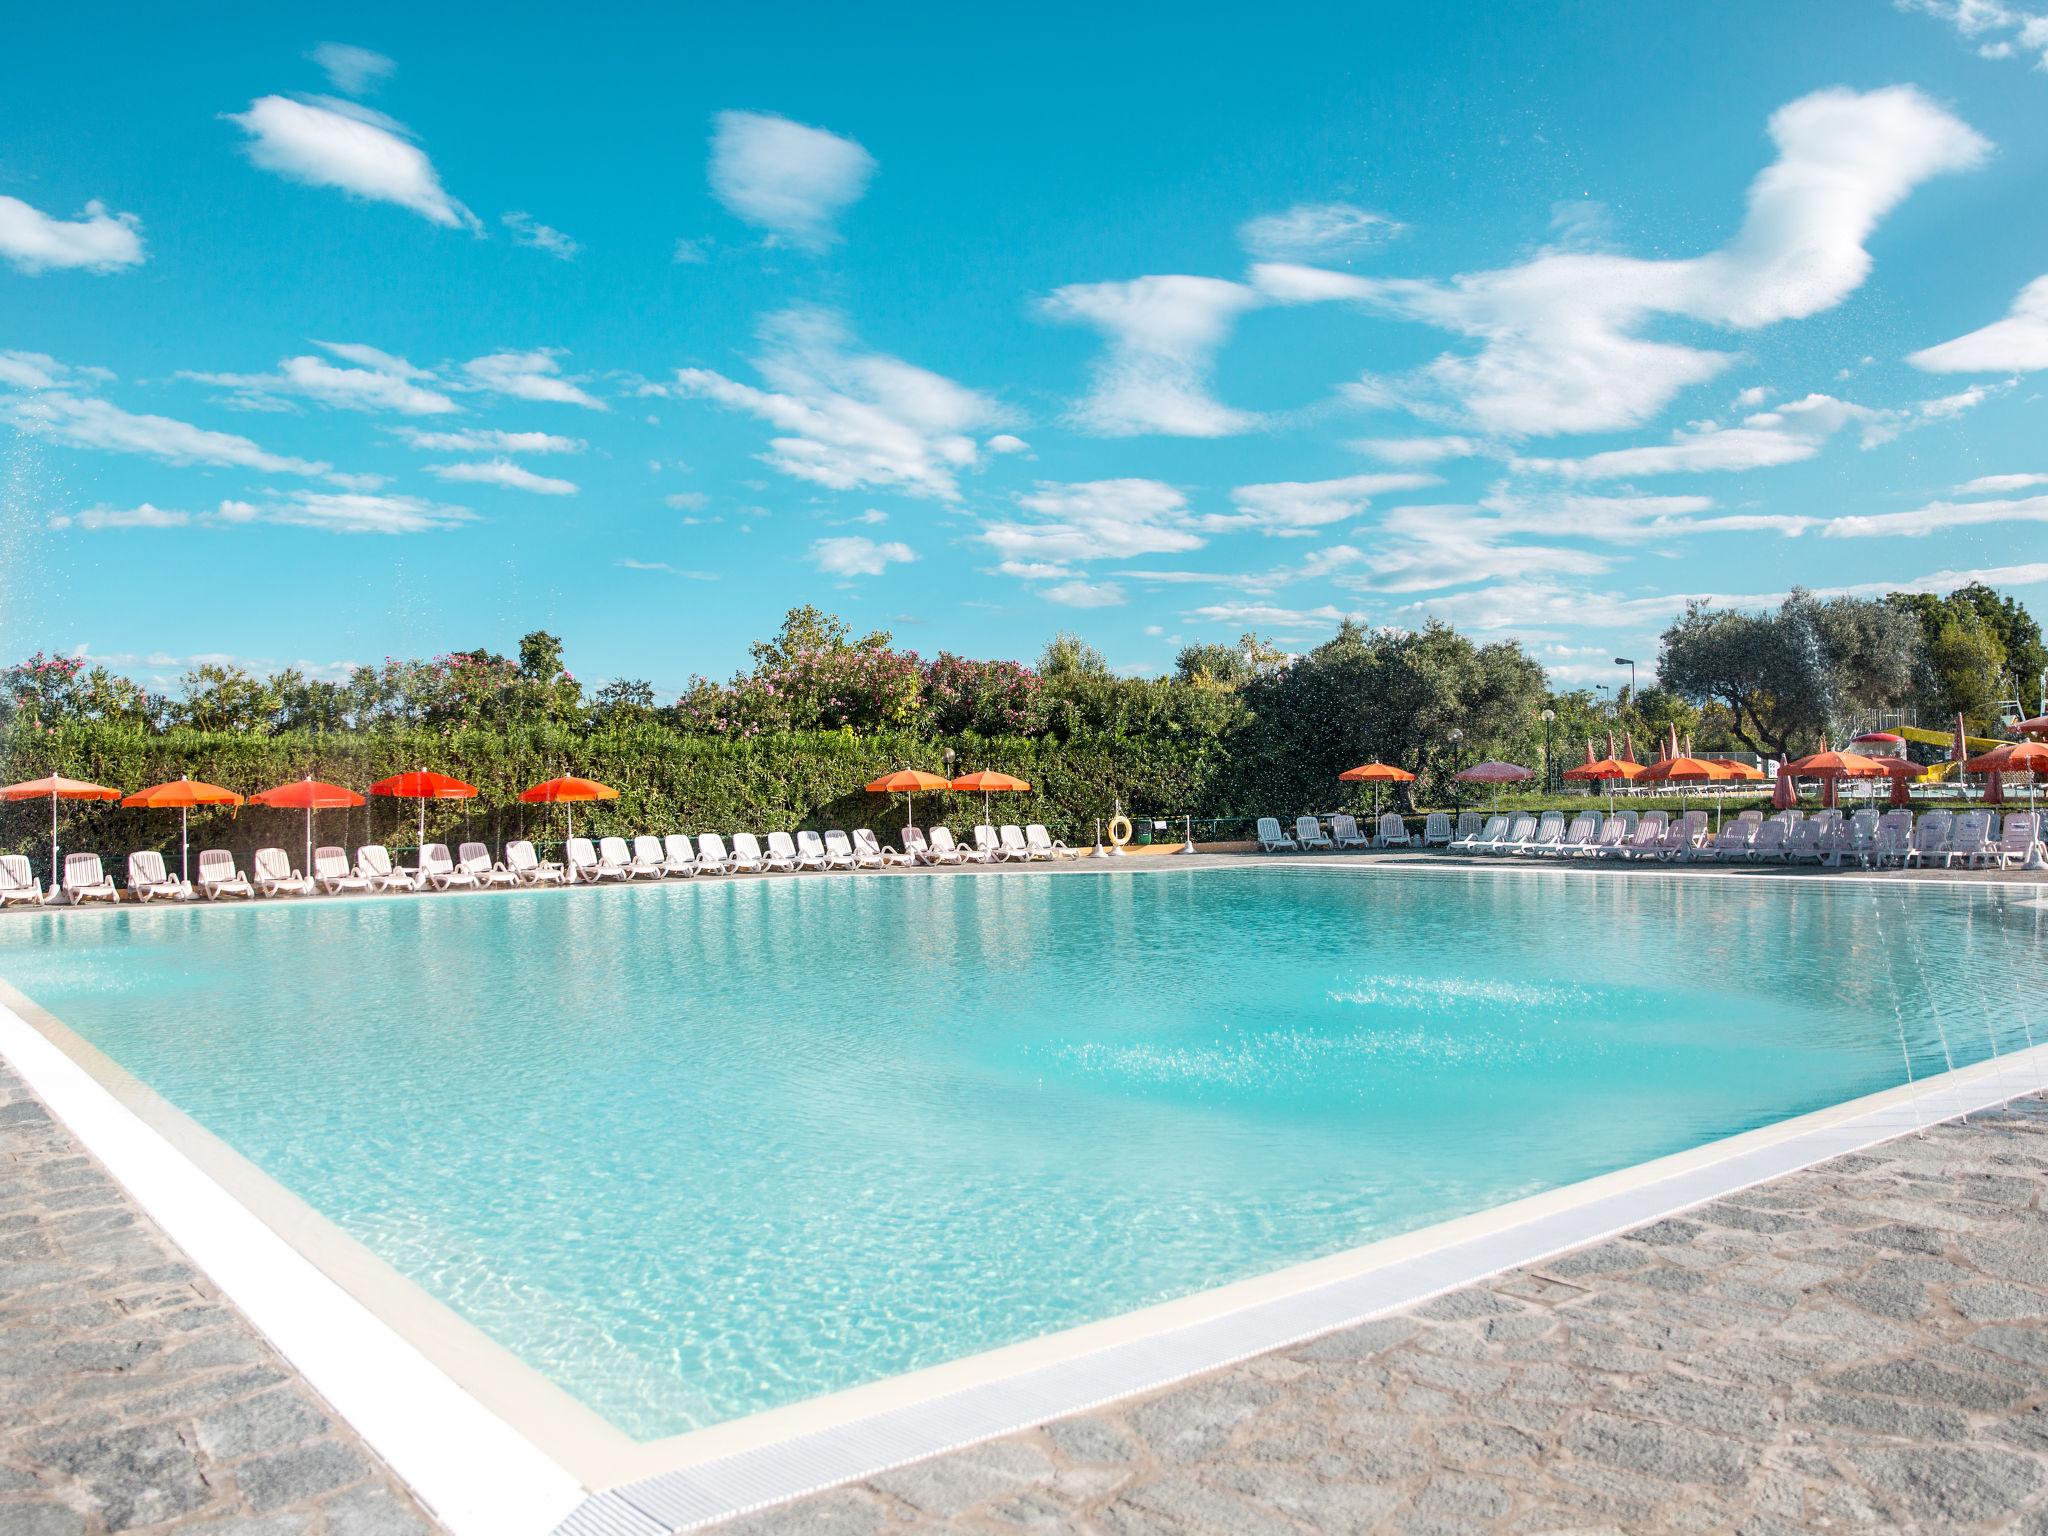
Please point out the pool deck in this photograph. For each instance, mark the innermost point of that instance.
(133, 1396)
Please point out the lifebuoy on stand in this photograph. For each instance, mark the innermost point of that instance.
(1119, 834)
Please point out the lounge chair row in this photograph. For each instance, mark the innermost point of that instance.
(1391, 832)
(612, 858)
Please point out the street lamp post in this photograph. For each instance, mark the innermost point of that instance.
(1457, 739)
(1548, 716)
(1630, 663)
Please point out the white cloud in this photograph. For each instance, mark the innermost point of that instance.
(1317, 232)
(1095, 520)
(1561, 344)
(691, 251)
(852, 418)
(481, 440)
(530, 232)
(1937, 517)
(84, 422)
(39, 370)
(1418, 450)
(1784, 436)
(687, 501)
(535, 375)
(853, 555)
(1162, 334)
(666, 569)
(382, 382)
(144, 516)
(1265, 616)
(1085, 594)
(2016, 344)
(1985, 483)
(503, 472)
(1004, 442)
(328, 143)
(1983, 21)
(1296, 508)
(351, 70)
(96, 241)
(1417, 549)
(329, 511)
(784, 177)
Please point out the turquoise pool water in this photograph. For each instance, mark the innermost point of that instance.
(697, 1150)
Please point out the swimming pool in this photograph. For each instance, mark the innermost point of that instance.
(693, 1151)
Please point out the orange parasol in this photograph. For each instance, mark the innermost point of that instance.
(1605, 770)
(907, 782)
(986, 783)
(1679, 769)
(423, 785)
(182, 795)
(2028, 757)
(1831, 767)
(309, 795)
(57, 788)
(1376, 774)
(568, 792)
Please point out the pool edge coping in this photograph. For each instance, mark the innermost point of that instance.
(456, 1456)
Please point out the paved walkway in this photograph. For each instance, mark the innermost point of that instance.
(132, 1396)
(1860, 1347)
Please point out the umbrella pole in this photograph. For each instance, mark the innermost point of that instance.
(184, 846)
(56, 883)
(567, 837)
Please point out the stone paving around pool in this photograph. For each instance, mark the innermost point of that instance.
(1859, 1347)
(132, 1396)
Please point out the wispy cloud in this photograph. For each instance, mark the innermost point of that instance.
(664, 568)
(485, 440)
(853, 555)
(351, 70)
(1317, 232)
(1297, 508)
(378, 382)
(325, 142)
(87, 422)
(1997, 30)
(327, 511)
(95, 241)
(850, 417)
(535, 375)
(1161, 334)
(528, 231)
(1085, 594)
(2016, 344)
(786, 177)
(1092, 520)
(503, 472)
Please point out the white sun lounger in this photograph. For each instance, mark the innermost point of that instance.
(274, 876)
(18, 882)
(1930, 838)
(1969, 839)
(86, 880)
(712, 855)
(839, 852)
(1732, 844)
(614, 855)
(1613, 836)
(1393, 832)
(475, 859)
(678, 854)
(1541, 835)
(2016, 842)
(586, 865)
(1485, 831)
(1013, 848)
(1470, 825)
(218, 876)
(1894, 838)
(439, 869)
(529, 868)
(1344, 831)
(810, 851)
(746, 854)
(947, 851)
(988, 847)
(1309, 832)
(1582, 835)
(1436, 830)
(147, 878)
(331, 872)
(781, 854)
(917, 847)
(1770, 842)
(1272, 839)
(1044, 845)
(373, 863)
(1803, 842)
(869, 852)
(646, 858)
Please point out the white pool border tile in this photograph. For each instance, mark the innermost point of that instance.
(483, 1477)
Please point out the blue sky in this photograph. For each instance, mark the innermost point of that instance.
(330, 335)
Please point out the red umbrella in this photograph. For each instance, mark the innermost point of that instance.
(907, 782)
(1494, 773)
(1376, 774)
(1785, 792)
(423, 785)
(1903, 771)
(309, 795)
(2038, 726)
(1877, 739)
(57, 788)
(568, 792)
(181, 795)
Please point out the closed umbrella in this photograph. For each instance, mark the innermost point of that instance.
(907, 782)
(568, 792)
(309, 795)
(1903, 772)
(182, 795)
(986, 783)
(423, 785)
(1376, 774)
(56, 787)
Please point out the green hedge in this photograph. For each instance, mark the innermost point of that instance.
(667, 782)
